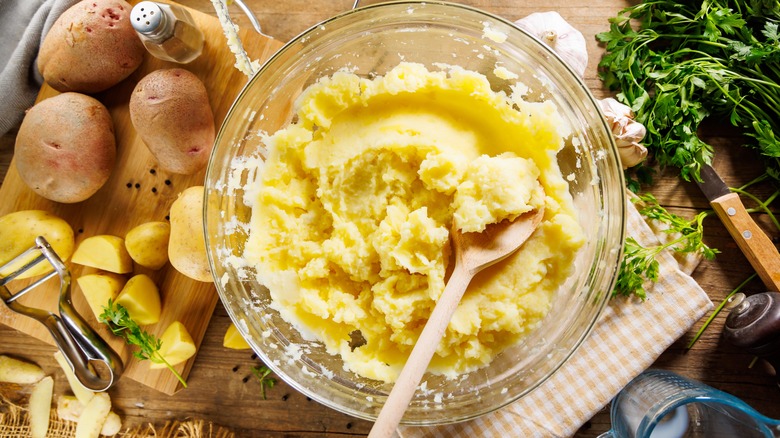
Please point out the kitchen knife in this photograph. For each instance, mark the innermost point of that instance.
(751, 239)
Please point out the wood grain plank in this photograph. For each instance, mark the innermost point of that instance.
(139, 191)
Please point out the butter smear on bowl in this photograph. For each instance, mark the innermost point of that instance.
(354, 203)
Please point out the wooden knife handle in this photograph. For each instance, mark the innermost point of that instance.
(751, 239)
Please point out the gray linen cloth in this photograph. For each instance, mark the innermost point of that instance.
(23, 25)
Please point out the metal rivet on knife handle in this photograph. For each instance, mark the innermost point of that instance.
(757, 247)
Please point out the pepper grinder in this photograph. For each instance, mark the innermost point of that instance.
(167, 31)
(754, 326)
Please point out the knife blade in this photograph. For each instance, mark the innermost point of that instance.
(751, 239)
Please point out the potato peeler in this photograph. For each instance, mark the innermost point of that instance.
(93, 362)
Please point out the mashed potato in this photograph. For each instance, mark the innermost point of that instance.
(350, 230)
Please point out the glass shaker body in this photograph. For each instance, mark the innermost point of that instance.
(167, 31)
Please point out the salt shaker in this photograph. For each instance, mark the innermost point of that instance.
(167, 31)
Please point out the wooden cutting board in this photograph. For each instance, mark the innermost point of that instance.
(137, 192)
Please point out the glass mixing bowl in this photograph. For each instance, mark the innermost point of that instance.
(370, 41)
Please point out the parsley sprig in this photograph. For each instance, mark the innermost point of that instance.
(677, 63)
(639, 263)
(118, 320)
(262, 372)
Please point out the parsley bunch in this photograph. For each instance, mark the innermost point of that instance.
(118, 320)
(639, 263)
(686, 61)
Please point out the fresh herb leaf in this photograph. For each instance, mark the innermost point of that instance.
(118, 320)
(262, 372)
(639, 264)
(677, 63)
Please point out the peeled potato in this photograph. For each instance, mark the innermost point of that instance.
(147, 244)
(176, 345)
(18, 231)
(187, 247)
(104, 252)
(141, 298)
(234, 340)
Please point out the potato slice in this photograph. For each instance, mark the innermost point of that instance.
(141, 298)
(40, 407)
(18, 371)
(94, 416)
(83, 394)
(177, 345)
(234, 340)
(18, 231)
(69, 409)
(147, 244)
(99, 288)
(104, 252)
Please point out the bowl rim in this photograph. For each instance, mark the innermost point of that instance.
(620, 216)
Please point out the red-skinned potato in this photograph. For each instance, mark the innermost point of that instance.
(170, 110)
(91, 47)
(65, 149)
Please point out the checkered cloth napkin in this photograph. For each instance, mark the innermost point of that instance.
(628, 339)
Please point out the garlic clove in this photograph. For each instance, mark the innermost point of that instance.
(559, 35)
(634, 132)
(632, 155)
(627, 132)
(613, 108)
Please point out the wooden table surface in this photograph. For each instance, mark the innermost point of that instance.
(221, 387)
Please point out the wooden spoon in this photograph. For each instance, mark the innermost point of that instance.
(473, 253)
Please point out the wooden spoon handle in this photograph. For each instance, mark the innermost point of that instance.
(407, 383)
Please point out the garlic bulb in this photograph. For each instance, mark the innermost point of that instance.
(626, 131)
(560, 36)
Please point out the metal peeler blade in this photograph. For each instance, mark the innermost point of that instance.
(93, 362)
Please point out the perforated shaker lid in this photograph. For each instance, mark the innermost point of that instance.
(146, 17)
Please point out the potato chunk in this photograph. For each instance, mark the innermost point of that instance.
(177, 345)
(234, 340)
(99, 288)
(104, 252)
(141, 298)
(147, 244)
